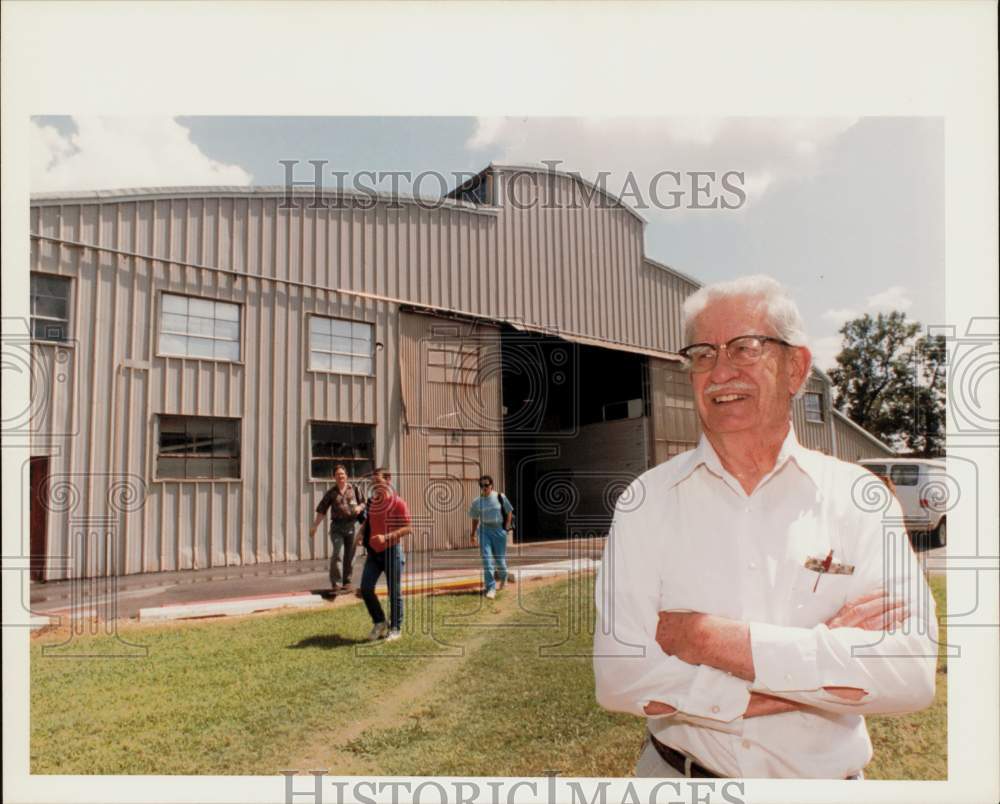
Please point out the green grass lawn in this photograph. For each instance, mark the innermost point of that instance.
(915, 746)
(459, 695)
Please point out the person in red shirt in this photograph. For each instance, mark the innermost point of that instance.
(388, 522)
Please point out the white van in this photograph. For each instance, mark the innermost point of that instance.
(920, 484)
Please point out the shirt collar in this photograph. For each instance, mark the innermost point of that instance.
(808, 462)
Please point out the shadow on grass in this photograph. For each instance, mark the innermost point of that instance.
(326, 642)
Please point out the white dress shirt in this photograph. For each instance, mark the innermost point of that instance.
(686, 536)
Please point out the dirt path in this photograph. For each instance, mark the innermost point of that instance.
(327, 750)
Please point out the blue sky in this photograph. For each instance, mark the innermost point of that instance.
(849, 213)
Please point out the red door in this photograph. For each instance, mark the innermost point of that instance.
(39, 519)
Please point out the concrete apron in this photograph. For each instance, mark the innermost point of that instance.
(430, 583)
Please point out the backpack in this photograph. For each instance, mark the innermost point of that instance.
(513, 516)
(363, 516)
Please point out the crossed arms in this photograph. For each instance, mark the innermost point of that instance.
(725, 644)
(709, 669)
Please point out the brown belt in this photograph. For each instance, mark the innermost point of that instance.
(681, 763)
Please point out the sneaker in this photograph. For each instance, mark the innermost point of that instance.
(393, 636)
(346, 587)
(491, 594)
(379, 630)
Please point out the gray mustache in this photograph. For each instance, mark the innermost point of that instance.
(729, 388)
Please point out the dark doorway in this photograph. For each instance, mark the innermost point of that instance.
(39, 516)
(575, 432)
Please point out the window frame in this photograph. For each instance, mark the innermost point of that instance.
(912, 470)
(158, 328)
(68, 280)
(352, 321)
(348, 462)
(806, 411)
(155, 452)
(455, 448)
(454, 372)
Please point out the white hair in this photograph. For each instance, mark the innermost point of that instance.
(779, 308)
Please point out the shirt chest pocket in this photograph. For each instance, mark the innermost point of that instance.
(816, 596)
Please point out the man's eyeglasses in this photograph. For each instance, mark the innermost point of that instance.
(485, 485)
(742, 351)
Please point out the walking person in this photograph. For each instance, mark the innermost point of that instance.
(346, 504)
(491, 514)
(386, 524)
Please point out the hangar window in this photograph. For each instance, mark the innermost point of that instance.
(333, 443)
(453, 363)
(200, 328)
(814, 406)
(454, 455)
(197, 447)
(49, 307)
(341, 346)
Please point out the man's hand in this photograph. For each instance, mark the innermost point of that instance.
(676, 633)
(872, 612)
(359, 540)
(377, 542)
(312, 531)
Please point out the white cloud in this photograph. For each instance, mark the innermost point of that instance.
(117, 152)
(825, 351)
(894, 298)
(840, 316)
(768, 151)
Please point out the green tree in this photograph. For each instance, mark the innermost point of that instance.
(891, 381)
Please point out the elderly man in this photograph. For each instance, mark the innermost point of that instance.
(747, 607)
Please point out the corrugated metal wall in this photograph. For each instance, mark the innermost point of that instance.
(854, 444)
(555, 261)
(814, 435)
(675, 427)
(580, 270)
(117, 385)
(577, 266)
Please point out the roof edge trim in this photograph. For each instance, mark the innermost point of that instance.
(503, 166)
(862, 430)
(126, 195)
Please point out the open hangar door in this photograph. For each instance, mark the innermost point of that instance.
(451, 428)
(576, 432)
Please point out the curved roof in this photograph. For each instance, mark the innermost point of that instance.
(616, 200)
(245, 191)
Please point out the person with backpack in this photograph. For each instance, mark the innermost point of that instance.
(491, 514)
(348, 506)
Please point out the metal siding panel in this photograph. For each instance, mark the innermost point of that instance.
(534, 258)
(553, 270)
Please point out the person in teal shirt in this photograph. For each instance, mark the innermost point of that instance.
(491, 514)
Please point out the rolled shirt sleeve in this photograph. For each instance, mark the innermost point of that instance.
(630, 668)
(325, 502)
